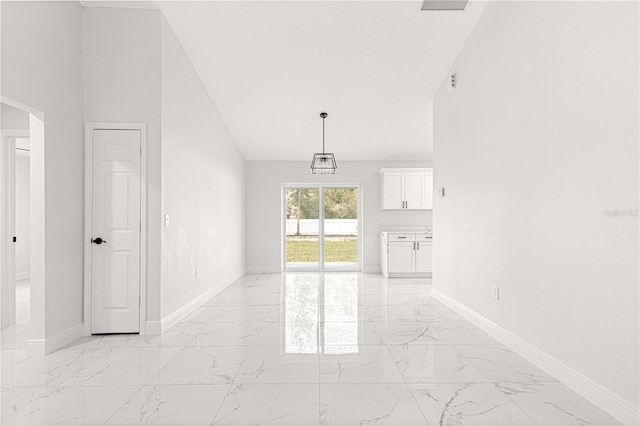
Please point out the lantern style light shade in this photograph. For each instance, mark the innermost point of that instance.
(323, 163)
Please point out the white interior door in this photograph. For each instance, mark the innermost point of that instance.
(115, 245)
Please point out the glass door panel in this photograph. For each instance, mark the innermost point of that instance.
(302, 242)
(340, 221)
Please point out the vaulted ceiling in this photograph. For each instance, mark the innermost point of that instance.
(271, 67)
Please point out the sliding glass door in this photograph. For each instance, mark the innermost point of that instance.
(321, 228)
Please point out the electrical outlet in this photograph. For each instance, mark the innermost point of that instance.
(197, 273)
(495, 292)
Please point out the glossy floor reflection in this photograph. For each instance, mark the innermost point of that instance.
(294, 349)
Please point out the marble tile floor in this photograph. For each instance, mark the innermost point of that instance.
(16, 337)
(293, 349)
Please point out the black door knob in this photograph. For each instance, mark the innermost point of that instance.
(98, 241)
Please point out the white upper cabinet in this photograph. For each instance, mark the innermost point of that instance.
(392, 190)
(406, 189)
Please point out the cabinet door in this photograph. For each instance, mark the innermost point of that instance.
(401, 257)
(414, 190)
(428, 190)
(424, 256)
(392, 188)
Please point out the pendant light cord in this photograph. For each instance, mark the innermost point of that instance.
(323, 135)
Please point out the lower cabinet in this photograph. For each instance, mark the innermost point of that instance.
(406, 255)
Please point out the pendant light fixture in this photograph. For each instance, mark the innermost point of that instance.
(325, 163)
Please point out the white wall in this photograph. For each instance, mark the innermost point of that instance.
(13, 118)
(22, 216)
(122, 84)
(203, 186)
(264, 206)
(534, 147)
(135, 70)
(42, 68)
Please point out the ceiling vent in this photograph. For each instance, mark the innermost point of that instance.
(444, 4)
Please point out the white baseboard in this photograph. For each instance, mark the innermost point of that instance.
(186, 309)
(55, 342)
(410, 275)
(22, 275)
(263, 269)
(618, 407)
(152, 328)
(36, 346)
(277, 269)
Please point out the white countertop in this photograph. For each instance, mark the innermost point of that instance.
(406, 228)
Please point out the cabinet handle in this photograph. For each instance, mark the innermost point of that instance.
(406, 204)
(418, 243)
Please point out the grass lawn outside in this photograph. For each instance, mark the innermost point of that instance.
(335, 250)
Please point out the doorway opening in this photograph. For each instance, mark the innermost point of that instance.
(23, 229)
(22, 208)
(321, 227)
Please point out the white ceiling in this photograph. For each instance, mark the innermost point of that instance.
(271, 67)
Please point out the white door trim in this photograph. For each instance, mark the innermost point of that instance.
(15, 133)
(88, 216)
(7, 231)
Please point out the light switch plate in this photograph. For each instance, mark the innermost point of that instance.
(495, 292)
(166, 220)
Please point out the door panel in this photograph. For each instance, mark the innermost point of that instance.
(302, 243)
(340, 228)
(115, 264)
